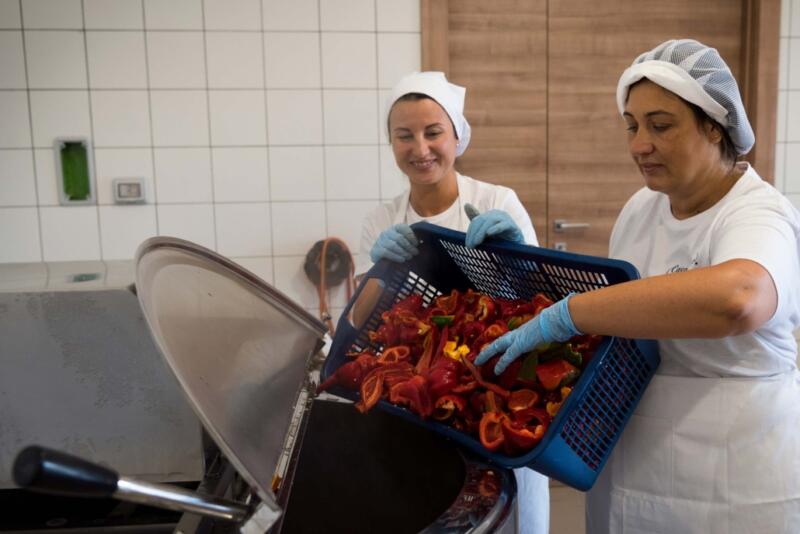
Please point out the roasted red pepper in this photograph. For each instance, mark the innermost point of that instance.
(522, 399)
(414, 394)
(556, 373)
(520, 437)
(398, 353)
(443, 377)
(447, 406)
(490, 430)
(486, 308)
(448, 303)
(350, 374)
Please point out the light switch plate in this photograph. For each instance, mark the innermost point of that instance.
(129, 190)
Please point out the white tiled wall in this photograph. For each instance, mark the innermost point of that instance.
(787, 149)
(254, 123)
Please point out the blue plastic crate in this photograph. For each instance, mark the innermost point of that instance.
(582, 435)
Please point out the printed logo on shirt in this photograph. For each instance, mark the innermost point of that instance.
(681, 268)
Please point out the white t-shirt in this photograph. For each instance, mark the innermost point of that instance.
(482, 195)
(753, 221)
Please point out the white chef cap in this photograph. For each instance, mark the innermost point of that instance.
(699, 75)
(446, 94)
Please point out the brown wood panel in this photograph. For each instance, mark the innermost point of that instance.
(590, 174)
(498, 51)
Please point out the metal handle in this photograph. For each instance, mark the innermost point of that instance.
(561, 224)
(48, 471)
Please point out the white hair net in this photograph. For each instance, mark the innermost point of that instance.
(699, 75)
(446, 94)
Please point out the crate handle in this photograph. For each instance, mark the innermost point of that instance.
(369, 294)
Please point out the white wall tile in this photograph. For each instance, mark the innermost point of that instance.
(347, 15)
(232, 14)
(243, 229)
(173, 15)
(46, 186)
(393, 181)
(794, 24)
(19, 234)
(176, 60)
(70, 233)
(113, 14)
(780, 160)
(352, 172)
(261, 267)
(240, 174)
(17, 180)
(345, 219)
(292, 281)
(292, 59)
(193, 222)
(9, 14)
(785, 20)
(295, 15)
(234, 60)
(121, 118)
(783, 64)
(794, 199)
(12, 61)
(794, 63)
(398, 15)
(56, 59)
(383, 112)
(297, 226)
(237, 118)
(780, 134)
(113, 163)
(123, 228)
(180, 118)
(350, 117)
(793, 116)
(183, 175)
(348, 60)
(792, 172)
(116, 60)
(294, 117)
(398, 54)
(16, 130)
(59, 114)
(52, 14)
(296, 173)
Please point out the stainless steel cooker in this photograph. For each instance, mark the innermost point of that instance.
(241, 351)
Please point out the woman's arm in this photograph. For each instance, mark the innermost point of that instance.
(732, 298)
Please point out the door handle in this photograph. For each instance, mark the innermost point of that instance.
(560, 225)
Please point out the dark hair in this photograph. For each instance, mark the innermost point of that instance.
(413, 97)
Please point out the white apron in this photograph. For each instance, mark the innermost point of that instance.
(705, 456)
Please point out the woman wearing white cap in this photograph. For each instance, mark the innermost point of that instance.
(428, 131)
(714, 445)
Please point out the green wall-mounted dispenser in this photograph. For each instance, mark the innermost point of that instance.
(74, 171)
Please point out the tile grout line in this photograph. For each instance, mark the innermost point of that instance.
(152, 146)
(267, 147)
(208, 121)
(30, 131)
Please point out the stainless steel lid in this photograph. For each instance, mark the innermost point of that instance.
(238, 347)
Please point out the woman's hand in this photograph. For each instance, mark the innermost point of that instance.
(552, 324)
(493, 223)
(397, 243)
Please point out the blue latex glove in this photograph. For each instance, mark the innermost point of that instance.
(493, 223)
(397, 243)
(553, 324)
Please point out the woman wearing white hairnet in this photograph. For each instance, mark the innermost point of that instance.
(428, 131)
(714, 446)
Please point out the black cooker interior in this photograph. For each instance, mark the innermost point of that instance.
(370, 473)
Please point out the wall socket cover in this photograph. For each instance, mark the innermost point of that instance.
(129, 190)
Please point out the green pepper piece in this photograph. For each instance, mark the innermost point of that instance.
(527, 371)
(442, 320)
(514, 322)
(563, 351)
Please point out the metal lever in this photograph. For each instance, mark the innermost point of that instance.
(561, 225)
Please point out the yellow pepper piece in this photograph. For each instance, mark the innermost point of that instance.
(453, 351)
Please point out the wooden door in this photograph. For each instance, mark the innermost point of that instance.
(541, 77)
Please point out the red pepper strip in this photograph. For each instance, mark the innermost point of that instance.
(478, 378)
(438, 354)
(443, 377)
(492, 403)
(427, 355)
(412, 302)
(448, 303)
(371, 390)
(522, 399)
(394, 373)
(350, 374)
(448, 405)
(414, 394)
(521, 437)
(399, 353)
(467, 387)
(555, 373)
(490, 430)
